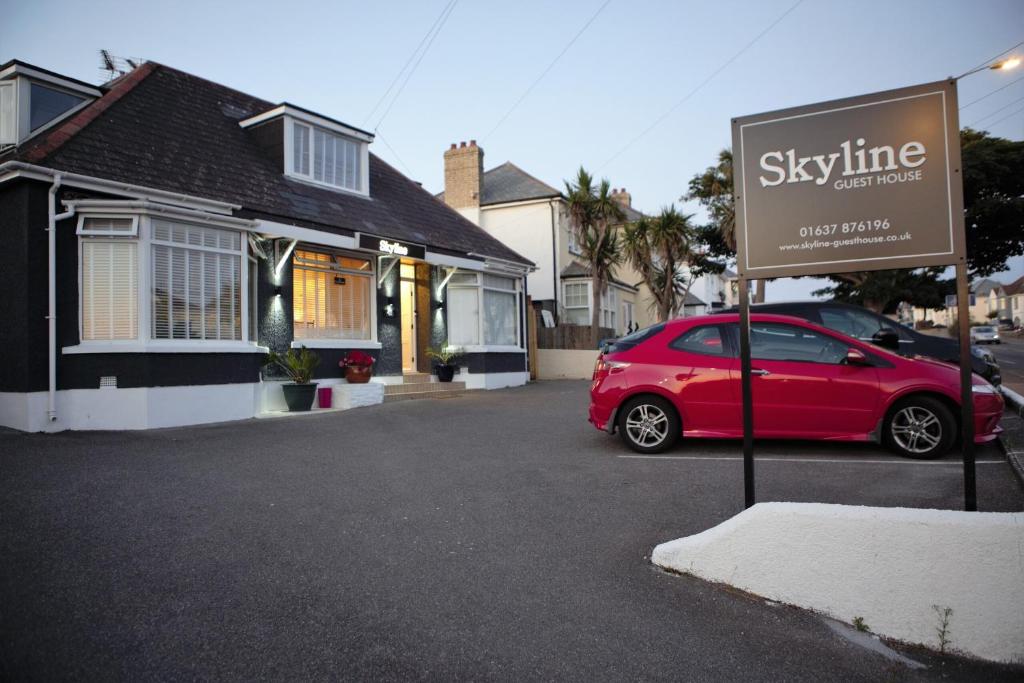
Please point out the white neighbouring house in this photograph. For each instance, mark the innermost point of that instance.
(531, 218)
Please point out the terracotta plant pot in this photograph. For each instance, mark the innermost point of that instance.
(299, 397)
(358, 375)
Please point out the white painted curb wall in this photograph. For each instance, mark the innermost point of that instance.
(888, 566)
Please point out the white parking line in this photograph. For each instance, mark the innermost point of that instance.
(815, 460)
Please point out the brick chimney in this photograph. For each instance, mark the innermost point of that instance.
(463, 175)
(623, 198)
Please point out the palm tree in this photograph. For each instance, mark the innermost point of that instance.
(592, 217)
(658, 248)
(714, 190)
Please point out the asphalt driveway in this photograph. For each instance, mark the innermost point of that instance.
(490, 536)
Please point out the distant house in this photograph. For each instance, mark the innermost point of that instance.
(165, 232)
(531, 217)
(1013, 307)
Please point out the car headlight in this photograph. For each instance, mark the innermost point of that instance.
(983, 389)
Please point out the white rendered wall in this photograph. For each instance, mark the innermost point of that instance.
(526, 229)
(565, 364)
(888, 566)
(492, 380)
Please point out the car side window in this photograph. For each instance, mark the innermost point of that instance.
(776, 341)
(706, 339)
(854, 323)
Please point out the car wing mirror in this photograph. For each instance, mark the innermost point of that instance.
(856, 357)
(887, 339)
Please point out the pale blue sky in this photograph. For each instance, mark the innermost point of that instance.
(631, 65)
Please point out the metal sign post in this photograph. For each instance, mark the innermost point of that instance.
(748, 398)
(859, 184)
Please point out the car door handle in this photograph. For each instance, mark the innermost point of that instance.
(759, 371)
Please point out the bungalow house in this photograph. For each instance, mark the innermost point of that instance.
(532, 218)
(164, 232)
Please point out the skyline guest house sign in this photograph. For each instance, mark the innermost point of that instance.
(863, 183)
(392, 247)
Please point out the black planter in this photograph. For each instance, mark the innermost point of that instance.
(299, 396)
(446, 372)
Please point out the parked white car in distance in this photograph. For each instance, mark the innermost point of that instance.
(985, 334)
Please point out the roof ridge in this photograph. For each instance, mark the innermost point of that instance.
(53, 140)
(528, 175)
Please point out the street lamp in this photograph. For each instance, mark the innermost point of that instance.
(999, 65)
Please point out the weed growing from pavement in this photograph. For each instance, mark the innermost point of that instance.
(943, 628)
(860, 625)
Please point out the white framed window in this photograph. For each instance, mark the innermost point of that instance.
(574, 245)
(327, 158)
(332, 295)
(108, 278)
(196, 282)
(576, 302)
(627, 315)
(609, 307)
(8, 113)
(483, 309)
(163, 284)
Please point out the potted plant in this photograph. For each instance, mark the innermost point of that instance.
(445, 366)
(357, 367)
(299, 367)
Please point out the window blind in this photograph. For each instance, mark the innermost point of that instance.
(109, 282)
(329, 301)
(197, 282)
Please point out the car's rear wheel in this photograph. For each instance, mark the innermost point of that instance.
(920, 427)
(648, 424)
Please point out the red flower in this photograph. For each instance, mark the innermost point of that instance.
(356, 359)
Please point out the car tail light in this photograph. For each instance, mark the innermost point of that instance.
(602, 368)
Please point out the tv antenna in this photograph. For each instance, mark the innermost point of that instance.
(116, 66)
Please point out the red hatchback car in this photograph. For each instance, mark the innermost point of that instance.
(682, 378)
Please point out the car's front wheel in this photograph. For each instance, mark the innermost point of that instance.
(648, 424)
(920, 427)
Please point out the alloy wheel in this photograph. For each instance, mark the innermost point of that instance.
(647, 425)
(916, 429)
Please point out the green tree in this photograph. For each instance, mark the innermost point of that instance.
(883, 290)
(714, 190)
(592, 217)
(659, 248)
(993, 177)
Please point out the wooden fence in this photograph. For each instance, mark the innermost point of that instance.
(570, 337)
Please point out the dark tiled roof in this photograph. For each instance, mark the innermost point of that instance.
(985, 286)
(177, 132)
(692, 300)
(1015, 287)
(577, 269)
(509, 183)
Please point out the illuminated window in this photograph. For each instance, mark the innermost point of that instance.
(331, 296)
(110, 278)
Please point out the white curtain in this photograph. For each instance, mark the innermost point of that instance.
(463, 316)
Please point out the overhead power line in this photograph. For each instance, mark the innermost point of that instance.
(658, 121)
(546, 70)
(991, 114)
(989, 61)
(1017, 80)
(447, 12)
(405, 66)
(997, 122)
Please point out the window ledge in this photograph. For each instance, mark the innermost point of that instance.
(336, 344)
(164, 347)
(491, 349)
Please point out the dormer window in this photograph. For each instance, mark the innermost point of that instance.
(325, 157)
(33, 99)
(313, 148)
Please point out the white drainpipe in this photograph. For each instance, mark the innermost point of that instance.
(51, 316)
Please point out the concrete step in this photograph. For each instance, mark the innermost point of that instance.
(417, 378)
(399, 389)
(424, 393)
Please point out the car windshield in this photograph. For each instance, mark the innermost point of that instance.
(984, 330)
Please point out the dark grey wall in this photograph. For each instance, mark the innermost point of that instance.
(494, 362)
(23, 283)
(389, 329)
